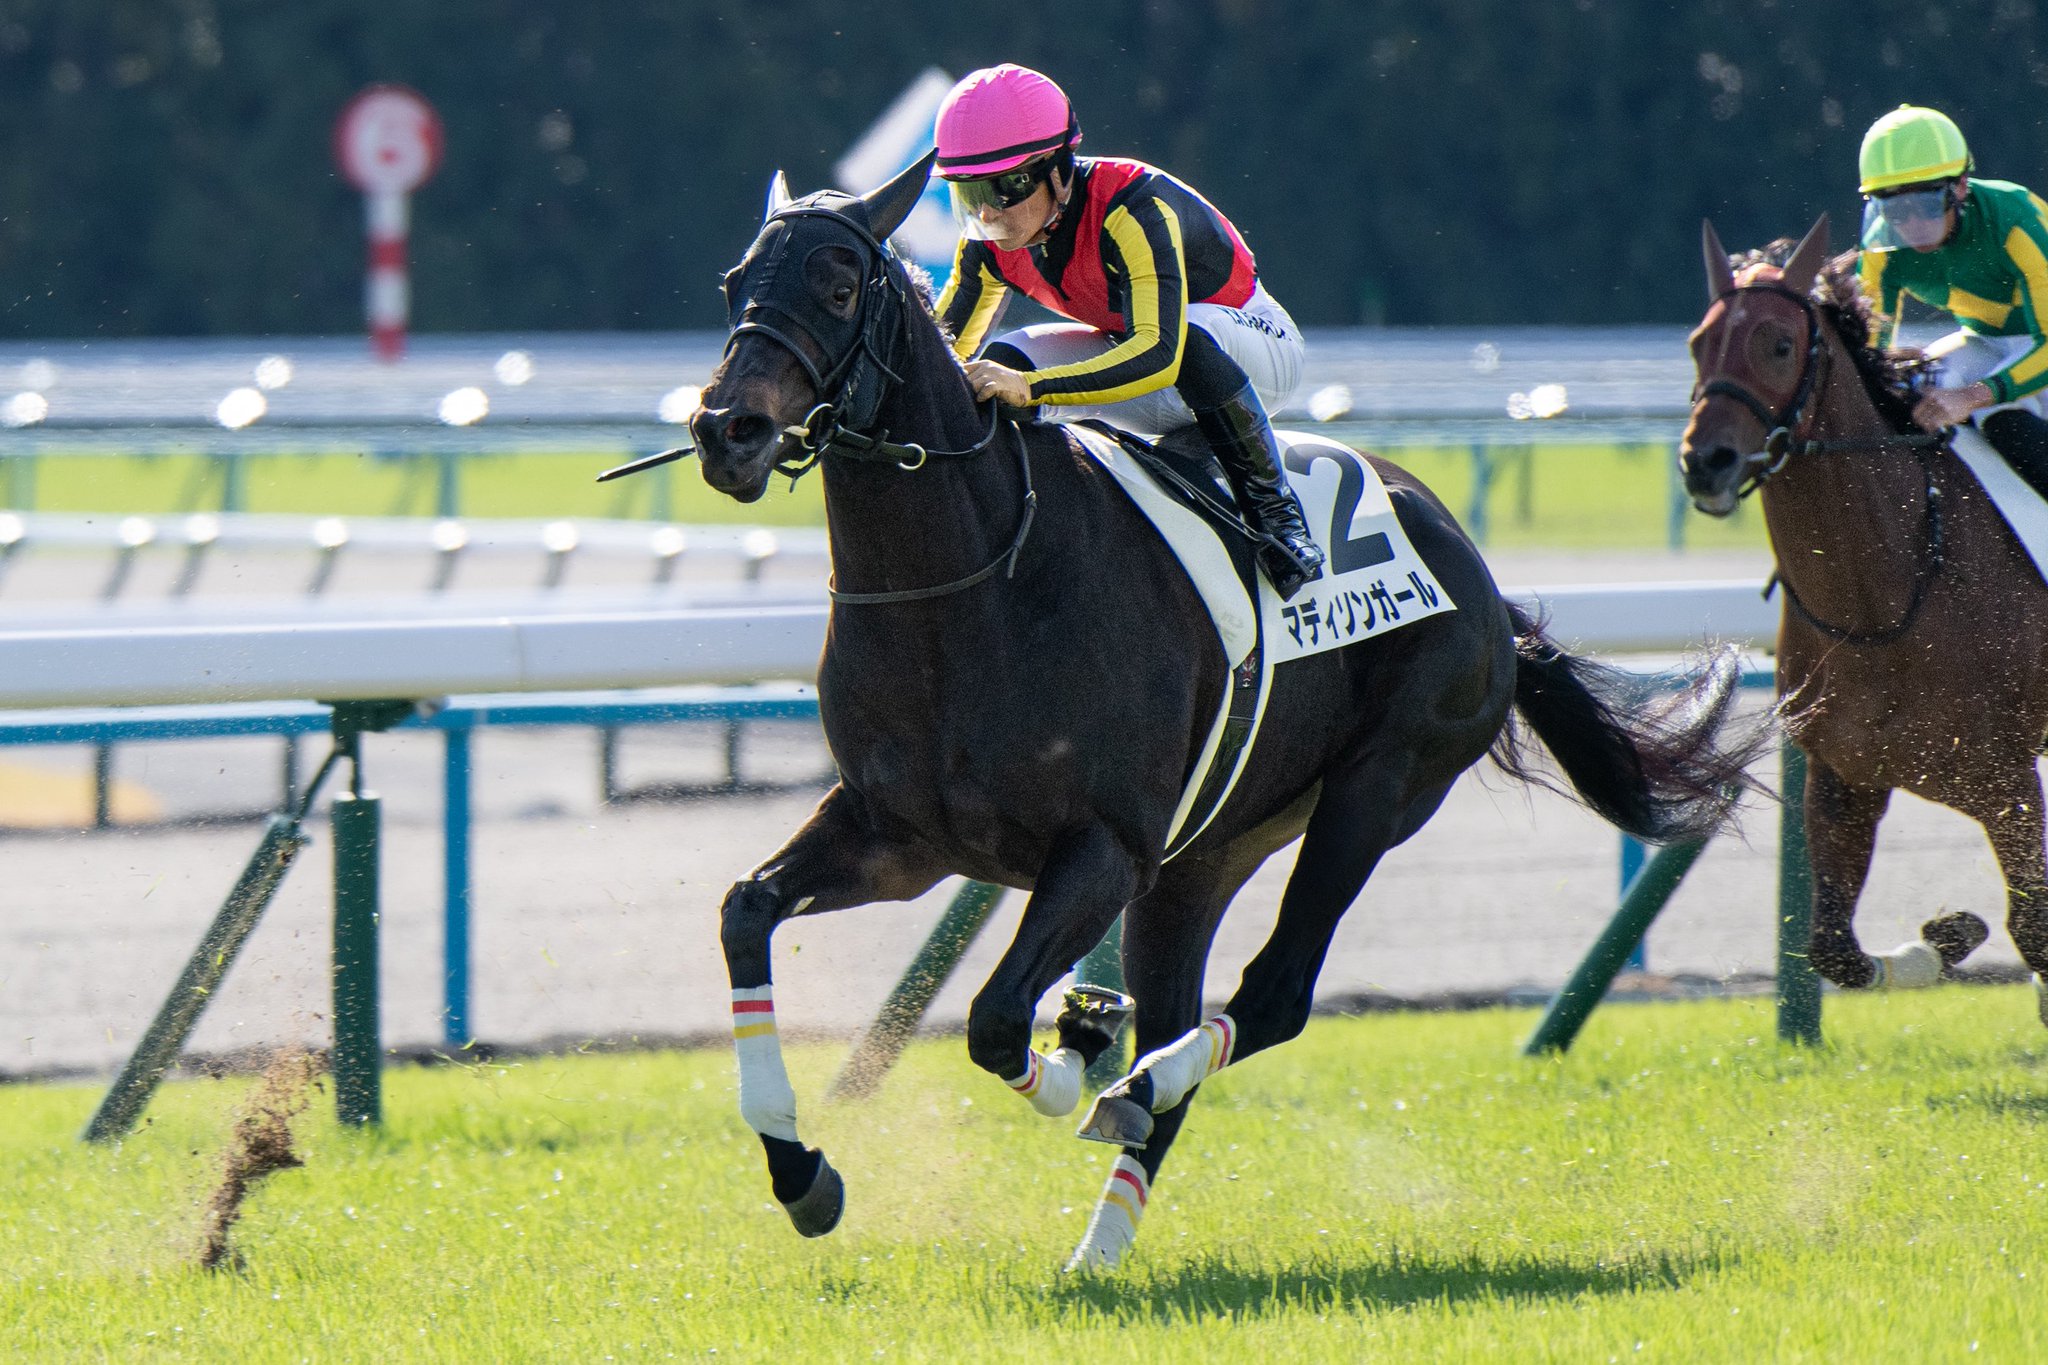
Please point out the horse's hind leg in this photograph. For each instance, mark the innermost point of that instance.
(2010, 811)
(836, 860)
(1841, 830)
(1359, 816)
(1167, 933)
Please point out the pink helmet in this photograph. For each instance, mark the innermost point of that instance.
(1000, 117)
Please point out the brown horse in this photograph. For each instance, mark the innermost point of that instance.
(1913, 645)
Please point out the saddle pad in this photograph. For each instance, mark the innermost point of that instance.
(2022, 508)
(1192, 542)
(1374, 581)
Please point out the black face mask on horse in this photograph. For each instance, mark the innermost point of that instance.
(1036, 728)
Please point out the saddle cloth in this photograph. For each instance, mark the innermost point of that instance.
(1374, 582)
(2023, 509)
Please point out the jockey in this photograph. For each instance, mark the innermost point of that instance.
(1979, 250)
(1170, 323)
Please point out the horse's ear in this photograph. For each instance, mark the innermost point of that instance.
(1808, 257)
(1720, 274)
(891, 204)
(778, 194)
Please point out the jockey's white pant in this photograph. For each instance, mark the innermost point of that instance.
(1260, 337)
(1962, 358)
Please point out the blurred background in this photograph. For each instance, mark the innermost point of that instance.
(164, 166)
(1485, 215)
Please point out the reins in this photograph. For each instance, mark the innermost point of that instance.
(825, 430)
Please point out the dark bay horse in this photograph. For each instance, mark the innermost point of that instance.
(1018, 680)
(1913, 644)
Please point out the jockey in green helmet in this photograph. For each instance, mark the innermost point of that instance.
(1978, 249)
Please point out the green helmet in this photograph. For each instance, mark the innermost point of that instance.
(1911, 146)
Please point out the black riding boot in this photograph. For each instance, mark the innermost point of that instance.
(2022, 439)
(1243, 440)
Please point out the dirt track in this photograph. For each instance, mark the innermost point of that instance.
(597, 921)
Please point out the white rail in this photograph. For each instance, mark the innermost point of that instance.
(143, 663)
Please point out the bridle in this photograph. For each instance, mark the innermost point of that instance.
(853, 384)
(1781, 442)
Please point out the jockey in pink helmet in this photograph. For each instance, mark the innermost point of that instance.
(1170, 325)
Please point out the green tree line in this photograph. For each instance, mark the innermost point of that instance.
(165, 165)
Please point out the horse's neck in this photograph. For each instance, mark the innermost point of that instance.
(895, 529)
(1849, 526)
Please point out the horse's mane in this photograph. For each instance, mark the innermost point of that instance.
(1892, 377)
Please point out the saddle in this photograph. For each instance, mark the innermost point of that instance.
(1186, 469)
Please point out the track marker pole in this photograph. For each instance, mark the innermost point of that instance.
(943, 948)
(1646, 897)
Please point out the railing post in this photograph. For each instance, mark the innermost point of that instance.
(1104, 966)
(357, 1045)
(456, 892)
(1645, 899)
(234, 483)
(1798, 984)
(158, 1050)
(448, 485)
(1634, 853)
(935, 961)
(1482, 483)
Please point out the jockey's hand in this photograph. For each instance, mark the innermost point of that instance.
(1940, 408)
(990, 380)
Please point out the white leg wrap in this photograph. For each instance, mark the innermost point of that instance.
(1114, 1225)
(2041, 997)
(766, 1101)
(1052, 1084)
(1186, 1062)
(1908, 967)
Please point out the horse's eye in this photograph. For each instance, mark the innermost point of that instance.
(842, 296)
(1783, 348)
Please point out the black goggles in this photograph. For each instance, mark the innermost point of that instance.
(1003, 191)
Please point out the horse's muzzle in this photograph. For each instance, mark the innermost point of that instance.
(737, 448)
(1711, 477)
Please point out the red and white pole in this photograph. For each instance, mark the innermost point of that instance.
(388, 297)
(388, 141)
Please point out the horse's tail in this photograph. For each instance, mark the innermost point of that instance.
(1664, 768)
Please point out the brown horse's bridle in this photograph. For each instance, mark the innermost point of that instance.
(1781, 424)
(1781, 443)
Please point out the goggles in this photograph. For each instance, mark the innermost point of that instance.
(998, 192)
(1916, 217)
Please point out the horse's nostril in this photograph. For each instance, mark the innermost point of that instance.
(748, 429)
(1720, 460)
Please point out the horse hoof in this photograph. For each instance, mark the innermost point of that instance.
(1908, 967)
(1117, 1119)
(2041, 998)
(816, 1211)
(1090, 1018)
(1955, 935)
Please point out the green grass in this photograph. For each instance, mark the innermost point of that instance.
(1562, 497)
(1679, 1188)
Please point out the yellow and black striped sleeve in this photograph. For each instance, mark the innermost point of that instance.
(1882, 292)
(2026, 245)
(973, 297)
(1142, 240)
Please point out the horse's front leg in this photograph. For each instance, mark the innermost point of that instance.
(1841, 831)
(1086, 881)
(838, 859)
